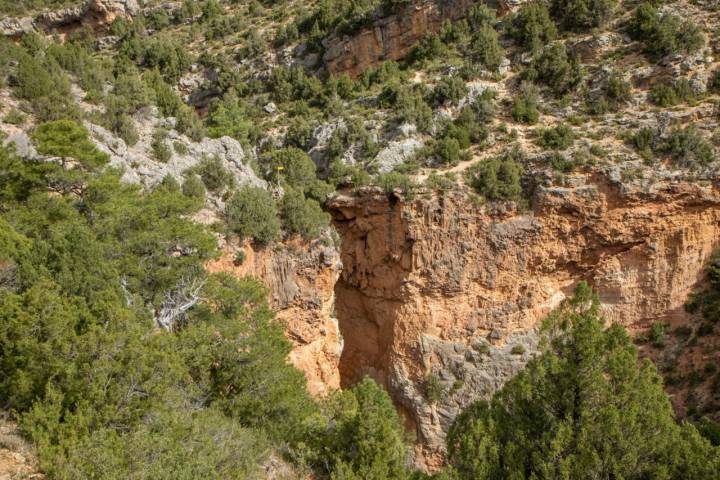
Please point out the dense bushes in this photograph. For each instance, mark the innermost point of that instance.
(302, 216)
(525, 105)
(486, 48)
(664, 34)
(556, 68)
(667, 94)
(532, 26)
(496, 178)
(40, 80)
(614, 93)
(252, 213)
(214, 175)
(559, 137)
(122, 358)
(582, 14)
(367, 440)
(686, 147)
(584, 406)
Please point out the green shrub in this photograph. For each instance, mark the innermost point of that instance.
(230, 116)
(447, 150)
(532, 26)
(300, 133)
(658, 334)
(582, 14)
(555, 68)
(160, 149)
(615, 92)
(670, 94)
(365, 436)
(180, 148)
(486, 49)
(213, 173)
(525, 105)
(410, 107)
(160, 51)
(517, 350)
(645, 141)
(588, 399)
(688, 148)
(169, 184)
(449, 90)
(467, 128)
(193, 186)
(664, 34)
(430, 47)
(496, 178)
(561, 163)
(434, 389)
(68, 140)
(394, 180)
(441, 183)
(291, 166)
(239, 258)
(560, 137)
(252, 213)
(42, 82)
(301, 215)
(125, 128)
(14, 117)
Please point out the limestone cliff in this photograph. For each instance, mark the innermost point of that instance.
(440, 298)
(393, 37)
(301, 278)
(95, 14)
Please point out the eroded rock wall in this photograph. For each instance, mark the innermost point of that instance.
(393, 37)
(441, 299)
(301, 278)
(95, 14)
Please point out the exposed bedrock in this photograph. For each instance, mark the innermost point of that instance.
(394, 36)
(441, 301)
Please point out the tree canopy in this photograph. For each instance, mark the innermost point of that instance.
(585, 407)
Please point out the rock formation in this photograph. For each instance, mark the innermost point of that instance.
(92, 13)
(393, 37)
(301, 278)
(441, 299)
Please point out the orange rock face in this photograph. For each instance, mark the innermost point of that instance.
(301, 279)
(441, 301)
(393, 37)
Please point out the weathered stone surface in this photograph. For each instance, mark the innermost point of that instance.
(393, 37)
(397, 153)
(93, 13)
(301, 278)
(430, 285)
(139, 166)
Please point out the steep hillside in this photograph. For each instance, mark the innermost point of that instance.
(418, 183)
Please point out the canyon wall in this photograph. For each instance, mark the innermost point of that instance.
(393, 37)
(440, 298)
(301, 278)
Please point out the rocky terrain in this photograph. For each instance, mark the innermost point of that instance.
(438, 289)
(439, 295)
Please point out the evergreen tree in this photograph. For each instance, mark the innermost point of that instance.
(585, 407)
(367, 439)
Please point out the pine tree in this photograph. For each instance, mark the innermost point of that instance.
(584, 408)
